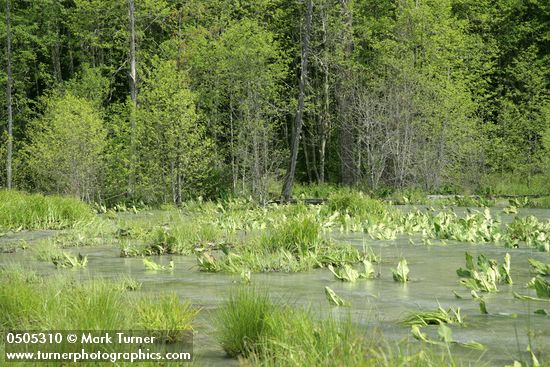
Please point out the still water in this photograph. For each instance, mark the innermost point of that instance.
(376, 304)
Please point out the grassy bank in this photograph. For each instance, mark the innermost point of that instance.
(20, 210)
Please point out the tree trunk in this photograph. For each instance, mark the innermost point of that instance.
(291, 170)
(9, 97)
(133, 96)
(348, 166)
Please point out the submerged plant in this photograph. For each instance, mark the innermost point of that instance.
(333, 298)
(401, 273)
(439, 316)
(151, 265)
(446, 337)
(69, 261)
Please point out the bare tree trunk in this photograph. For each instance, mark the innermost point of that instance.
(306, 156)
(289, 177)
(133, 96)
(56, 57)
(9, 97)
(324, 125)
(348, 166)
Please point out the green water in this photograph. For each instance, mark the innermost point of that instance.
(376, 304)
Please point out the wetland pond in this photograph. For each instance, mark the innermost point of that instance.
(376, 304)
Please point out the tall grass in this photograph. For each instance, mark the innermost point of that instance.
(356, 204)
(297, 235)
(243, 321)
(60, 302)
(250, 325)
(168, 315)
(293, 245)
(35, 211)
(515, 184)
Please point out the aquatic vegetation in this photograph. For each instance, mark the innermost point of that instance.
(297, 235)
(540, 267)
(298, 339)
(541, 286)
(439, 316)
(35, 211)
(168, 316)
(182, 238)
(243, 321)
(334, 299)
(127, 283)
(252, 327)
(245, 276)
(151, 265)
(256, 258)
(347, 273)
(529, 298)
(486, 275)
(401, 273)
(530, 230)
(66, 261)
(446, 337)
(46, 250)
(356, 204)
(292, 245)
(30, 302)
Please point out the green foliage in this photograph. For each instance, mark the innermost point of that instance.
(540, 267)
(355, 203)
(298, 235)
(170, 317)
(243, 321)
(35, 211)
(440, 316)
(65, 149)
(333, 298)
(151, 265)
(32, 302)
(485, 274)
(541, 286)
(347, 273)
(184, 237)
(68, 261)
(401, 273)
(172, 143)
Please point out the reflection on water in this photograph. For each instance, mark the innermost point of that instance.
(377, 303)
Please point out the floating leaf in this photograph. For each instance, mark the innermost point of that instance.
(440, 316)
(529, 298)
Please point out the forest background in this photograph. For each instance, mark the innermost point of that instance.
(159, 101)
